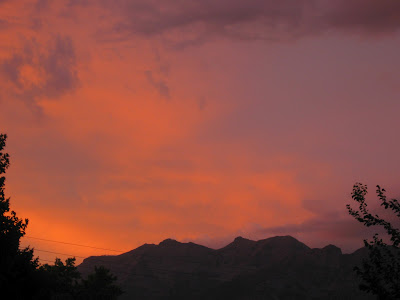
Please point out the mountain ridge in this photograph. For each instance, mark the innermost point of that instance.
(278, 267)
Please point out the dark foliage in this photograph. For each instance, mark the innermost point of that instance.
(380, 273)
(63, 281)
(99, 285)
(60, 281)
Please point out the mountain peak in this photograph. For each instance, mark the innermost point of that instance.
(169, 242)
(284, 242)
(242, 241)
(287, 238)
(239, 239)
(332, 249)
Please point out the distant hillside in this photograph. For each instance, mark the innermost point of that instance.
(275, 268)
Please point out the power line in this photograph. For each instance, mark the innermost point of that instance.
(67, 243)
(151, 269)
(183, 257)
(98, 259)
(119, 272)
(60, 253)
(155, 272)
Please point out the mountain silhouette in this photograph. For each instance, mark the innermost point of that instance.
(275, 268)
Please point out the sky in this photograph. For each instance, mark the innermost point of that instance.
(133, 121)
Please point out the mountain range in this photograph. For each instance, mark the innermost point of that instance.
(280, 267)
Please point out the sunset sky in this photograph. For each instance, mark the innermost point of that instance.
(133, 121)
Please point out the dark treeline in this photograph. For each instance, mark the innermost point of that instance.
(21, 276)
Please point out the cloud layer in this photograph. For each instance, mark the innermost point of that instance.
(260, 127)
(196, 22)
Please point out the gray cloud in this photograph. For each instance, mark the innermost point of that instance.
(368, 16)
(160, 85)
(325, 224)
(42, 5)
(4, 24)
(331, 226)
(36, 71)
(197, 21)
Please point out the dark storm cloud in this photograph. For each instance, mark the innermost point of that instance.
(205, 17)
(332, 225)
(325, 224)
(368, 16)
(269, 19)
(37, 71)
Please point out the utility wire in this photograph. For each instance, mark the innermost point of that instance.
(155, 273)
(67, 243)
(182, 257)
(154, 269)
(119, 272)
(60, 253)
(130, 274)
(111, 263)
(159, 270)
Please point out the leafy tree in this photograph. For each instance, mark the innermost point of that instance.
(63, 281)
(17, 267)
(60, 280)
(380, 273)
(100, 285)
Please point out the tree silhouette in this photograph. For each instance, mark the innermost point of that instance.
(17, 267)
(100, 285)
(63, 281)
(380, 273)
(60, 280)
